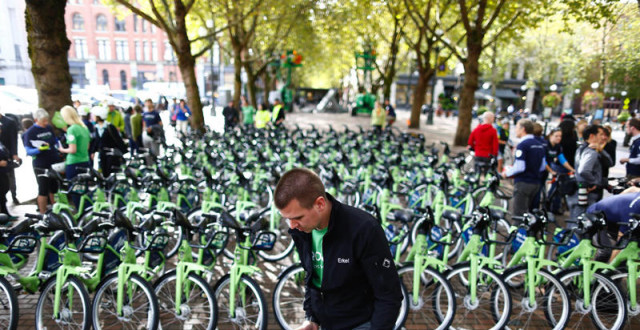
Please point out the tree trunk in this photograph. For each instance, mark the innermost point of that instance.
(467, 96)
(267, 86)
(418, 97)
(251, 84)
(237, 74)
(187, 65)
(48, 50)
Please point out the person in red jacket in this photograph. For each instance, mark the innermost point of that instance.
(484, 141)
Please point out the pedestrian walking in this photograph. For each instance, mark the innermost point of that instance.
(183, 113)
(152, 131)
(78, 139)
(632, 162)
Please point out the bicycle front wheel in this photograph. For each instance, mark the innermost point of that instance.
(197, 309)
(74, 311)
(249, 310)
(9, 302)
(284, 243)
(551, 306)
(607, 308)
(434, 305)
(492, 304)
(288, 296)
(139, 308)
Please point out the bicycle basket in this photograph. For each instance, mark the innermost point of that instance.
(264, 241)
(23, 244)
(94, 243)
(156, 241)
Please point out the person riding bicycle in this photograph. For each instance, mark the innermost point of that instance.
(617, 209)
(351, 281)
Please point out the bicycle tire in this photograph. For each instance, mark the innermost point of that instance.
(571, 278)
(288, 296)
(108, 289)
(165, 293)
(478, 195)
(10, 310)
(66, 313)
(552, 315)
(241, 318)
(434, 283)
(633, 316)
(495, 295)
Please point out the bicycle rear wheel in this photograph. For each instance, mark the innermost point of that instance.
(250, 307)
(633, 314)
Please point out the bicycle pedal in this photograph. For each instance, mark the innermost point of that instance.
(44, 275)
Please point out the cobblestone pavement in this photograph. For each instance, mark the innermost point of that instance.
(442, 130)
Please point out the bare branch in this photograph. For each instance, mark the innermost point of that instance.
(504, 28)
(495, 15)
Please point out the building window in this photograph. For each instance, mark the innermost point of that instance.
(96, 2)
(77, 22)
(123, 79)
(119, 25)
(147, 51)
(138, 51)
(105, 77)
(80, 45)
(154, 51)
(135, 23)
(168, 52)
(144, 26)
(172, 76)
(153, 28)
(101, 23)
(104, 50)
(122, 50)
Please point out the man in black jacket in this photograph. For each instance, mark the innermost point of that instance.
(351, 281)
(9, 138)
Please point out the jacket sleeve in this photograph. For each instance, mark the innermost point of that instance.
(382, 275)
(587, 162)
(470, 142)
(494, 146)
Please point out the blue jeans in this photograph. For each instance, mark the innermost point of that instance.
(71, 171)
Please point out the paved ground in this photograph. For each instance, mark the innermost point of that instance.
(442, 130)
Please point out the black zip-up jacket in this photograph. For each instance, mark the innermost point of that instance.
(360, 282)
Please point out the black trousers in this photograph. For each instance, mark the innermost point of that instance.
(4, 188)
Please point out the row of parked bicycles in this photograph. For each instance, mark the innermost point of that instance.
(145, 242)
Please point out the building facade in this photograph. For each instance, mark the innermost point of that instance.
(120, 50)
(15, 65)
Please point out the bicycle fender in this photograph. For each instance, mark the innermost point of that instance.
(594, 266)
(287, 269)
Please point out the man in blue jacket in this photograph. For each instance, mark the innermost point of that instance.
(351, 281)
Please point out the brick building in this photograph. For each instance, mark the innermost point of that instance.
(119, 50)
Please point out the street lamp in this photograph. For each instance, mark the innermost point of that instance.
(576, 91)
(210, 26)
(553, 87)
(595, 85)
(623, 93)
(486, 85)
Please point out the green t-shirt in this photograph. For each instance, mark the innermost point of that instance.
(317, 258)
(247, 113)
(78, 135)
